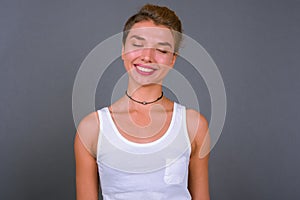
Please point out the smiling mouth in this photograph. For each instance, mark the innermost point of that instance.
(144, 70)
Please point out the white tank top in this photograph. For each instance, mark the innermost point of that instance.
(151, 171)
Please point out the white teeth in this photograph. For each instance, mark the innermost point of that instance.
(144, 69)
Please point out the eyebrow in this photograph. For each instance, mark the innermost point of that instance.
(137, 37)
(159, 43)
(165, 44)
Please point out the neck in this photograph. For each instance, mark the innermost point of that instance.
(146, 93)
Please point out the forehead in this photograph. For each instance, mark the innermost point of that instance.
(151, 32)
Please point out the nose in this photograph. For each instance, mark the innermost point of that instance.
(147, 54)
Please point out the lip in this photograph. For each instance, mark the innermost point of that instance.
(145, 70)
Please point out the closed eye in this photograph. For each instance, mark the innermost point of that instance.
(137, 45)
(162, 51)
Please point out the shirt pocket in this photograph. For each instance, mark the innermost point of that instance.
(176, 171)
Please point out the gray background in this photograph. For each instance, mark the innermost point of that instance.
(255, 44)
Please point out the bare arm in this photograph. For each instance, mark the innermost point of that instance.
(198, 166)
(87, 181)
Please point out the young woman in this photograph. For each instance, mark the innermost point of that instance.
(144, 146)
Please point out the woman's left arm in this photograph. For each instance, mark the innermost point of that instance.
(198, 167)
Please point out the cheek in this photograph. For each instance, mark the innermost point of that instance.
(165, 60)
(130, 56)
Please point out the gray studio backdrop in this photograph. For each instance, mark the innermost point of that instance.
(255, 44)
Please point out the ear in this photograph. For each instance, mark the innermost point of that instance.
(123, 52)
(173, 59)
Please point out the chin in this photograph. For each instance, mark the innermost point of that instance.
(144, 82)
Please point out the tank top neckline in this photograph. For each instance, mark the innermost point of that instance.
(136, 144)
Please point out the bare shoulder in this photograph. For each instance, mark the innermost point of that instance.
(196, 123)
(88, 132)
(197, 127)
(89, 123)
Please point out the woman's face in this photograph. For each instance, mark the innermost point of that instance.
(148, 53)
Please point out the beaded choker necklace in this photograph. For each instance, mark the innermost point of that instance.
(144, 102)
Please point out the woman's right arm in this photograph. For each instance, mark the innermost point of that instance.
(87, 179)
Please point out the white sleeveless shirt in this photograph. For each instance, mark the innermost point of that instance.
(152, 171)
